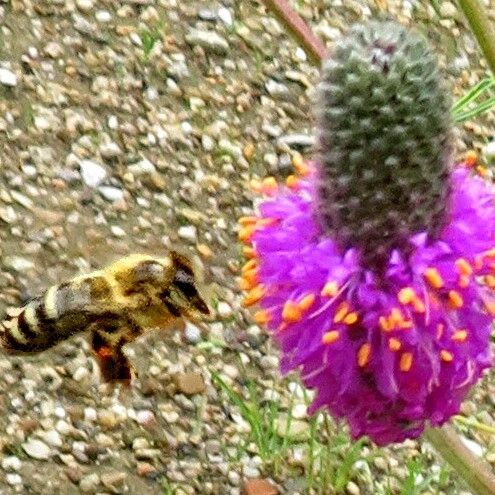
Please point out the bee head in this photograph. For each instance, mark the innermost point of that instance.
(183, 293)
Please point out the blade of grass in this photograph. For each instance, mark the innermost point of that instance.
(343, 472)
(479, 109)
(469, 97)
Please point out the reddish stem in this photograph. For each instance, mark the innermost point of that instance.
(299, 29)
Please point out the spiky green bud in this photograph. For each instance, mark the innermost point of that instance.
(384, 142)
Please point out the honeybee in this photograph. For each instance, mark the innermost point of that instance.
(115, 305)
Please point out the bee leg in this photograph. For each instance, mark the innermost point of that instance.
(114, 365)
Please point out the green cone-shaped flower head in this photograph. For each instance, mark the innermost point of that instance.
(384, 142)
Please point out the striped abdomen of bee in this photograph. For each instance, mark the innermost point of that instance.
(114, 305)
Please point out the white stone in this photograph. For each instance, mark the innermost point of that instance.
(85, 5)
(80, 374)
(7, 77)
(224, 310)
(37, 449)
(60, 412)
(301, 54)
(142, 167)
(110, 150)
(11, 463)
(113, 122)
(18, 263)
(299, 411)
(111, 193)
(225, 16)
(192, 333)
(145, 417)
(209, 40)
(188, 233)
(63, 427)
(489, 152)
(473, 446)
(53, 438)
(117, 231)
(92, 173)
(103, 16)
(13, 479)
(448, 9)
(90, 414)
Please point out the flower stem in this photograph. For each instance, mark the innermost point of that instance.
(482, 28)
(299, 29)
(472, 423)
(475, 472)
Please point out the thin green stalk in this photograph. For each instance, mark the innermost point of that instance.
(482, 28)
(472, 423)
(475, 472)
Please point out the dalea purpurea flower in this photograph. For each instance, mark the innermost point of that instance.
(374, 265)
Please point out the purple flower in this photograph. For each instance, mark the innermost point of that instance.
(390, 350)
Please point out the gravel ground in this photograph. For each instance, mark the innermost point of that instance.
(135, 125)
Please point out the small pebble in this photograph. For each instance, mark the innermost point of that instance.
(36, 449)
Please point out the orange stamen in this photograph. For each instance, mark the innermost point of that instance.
(351, 318)
(394, 344)
(249, 252)
(455, 299)
(269, 185)
(490, 306)
(249, 265)
(254, 295)
(300, 165)
(261, 317)
(446, 356)
(306, 302)
(246, 233)
(406, 324)
(330, 289)
(419, 306)
(459, 336)
(292, 182)
(440, 329)
(245, 284)
(251, 276)
(471, 158)
(330, 337)
(406, 295)
(247, 220)
(406, 361)
(463, 267)
(385, 324)
(342, 311)
(255, 186)
(291, 312)
(266, 222)
(363, 355)
(482, 171)
(490, 281)
(396, 317)
(433, 277)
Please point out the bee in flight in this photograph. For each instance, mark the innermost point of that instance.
(114, 305)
